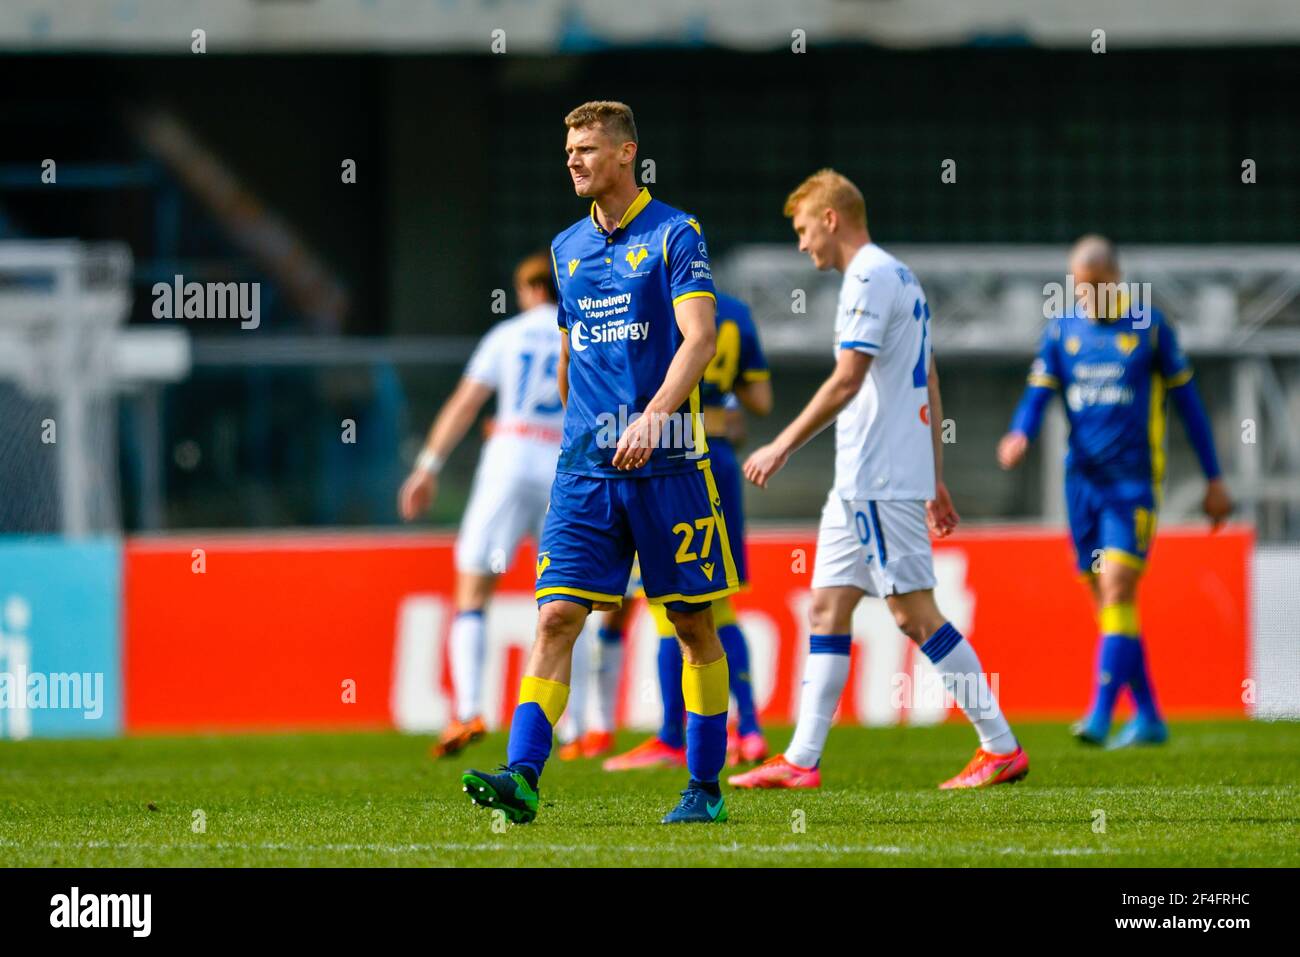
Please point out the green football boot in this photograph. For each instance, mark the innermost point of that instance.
(697, 806)
(507, 791)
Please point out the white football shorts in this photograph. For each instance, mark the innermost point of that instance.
(881, 547)
(499, 515)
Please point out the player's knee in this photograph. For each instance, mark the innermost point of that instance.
(558, 622)
(913, 628)
(474, 591)
(1114, 589)
(918, 623)
(691, 626)
(829, 614)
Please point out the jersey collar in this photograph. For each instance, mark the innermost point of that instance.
(641, 202)
(1121, 304)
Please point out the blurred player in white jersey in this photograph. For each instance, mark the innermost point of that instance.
(888, 496)
(517, 360)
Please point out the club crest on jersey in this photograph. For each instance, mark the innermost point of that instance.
(636, 255)
(573, 264)
(1126, 342)
(1072, 345)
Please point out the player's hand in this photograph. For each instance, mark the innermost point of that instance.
(638, 441)
(764, 463)
(1012, 449)
(1217, 504)
(940, 514)
(417, 494)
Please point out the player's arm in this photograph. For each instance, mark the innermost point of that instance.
(1043, 382)
(562, 370)
(753, 385)
(449, 427)
(940, 514)
(736, 431)
(851, 367)
(1217, 503)
(755, 396)
(562, 321)
(1173, 365)
(695, 320)
(867, 307)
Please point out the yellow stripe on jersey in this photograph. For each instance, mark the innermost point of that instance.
(693, 599)
(1181, 378)
(1120, 302)
(715, 503)
(556, 266)
(1121, 557)
(698, 294)
(1156, 435)
(1044, 380)
(722, 368)
(698, 435)
(641, 202)
(578, 593)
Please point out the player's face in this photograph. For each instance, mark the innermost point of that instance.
(1087, 272)
(815, 235)
(1087, 275)
(594, 160)
(529, 296)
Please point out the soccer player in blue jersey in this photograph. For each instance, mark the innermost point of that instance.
(1114, 361)
(637, 314)
(738, 373)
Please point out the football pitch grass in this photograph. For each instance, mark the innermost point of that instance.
(1219, 793)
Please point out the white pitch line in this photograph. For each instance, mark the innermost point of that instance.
(522, 848)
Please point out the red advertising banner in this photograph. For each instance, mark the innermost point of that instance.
(293, 631)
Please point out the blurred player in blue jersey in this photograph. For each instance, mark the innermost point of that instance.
(1114, 360)
(637, 314)
(739, 375)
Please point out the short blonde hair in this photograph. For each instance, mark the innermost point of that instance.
(832, 190)
(614, 117)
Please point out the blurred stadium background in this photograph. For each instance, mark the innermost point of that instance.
(183, 513)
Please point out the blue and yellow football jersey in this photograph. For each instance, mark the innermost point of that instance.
(617, 293)
(1113, 377)
(739, 357)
